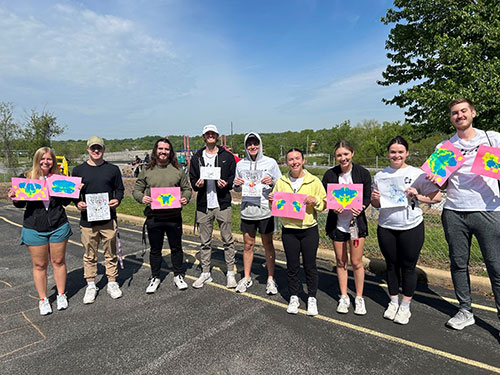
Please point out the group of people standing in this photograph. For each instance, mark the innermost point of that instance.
(472, 208)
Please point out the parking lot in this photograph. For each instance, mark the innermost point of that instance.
(215, 330)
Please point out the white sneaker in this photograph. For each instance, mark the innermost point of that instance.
(293, 306)
(359, 306)
(243, 285)
(113, 290)
(462, 319)
(180, 283)
(344, 303)
(62, 302)
(202, 280)
(90, 294)
(403, 315)
(154, 283)
(44, 306)
(271, 287)
(231, 280)
(312, 306)
(391, 311)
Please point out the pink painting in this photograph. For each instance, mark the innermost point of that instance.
(443, 162)
(64, 186)
(28, 189)
(165, 198)
(348, 196)
(289, 205)
(487, 162)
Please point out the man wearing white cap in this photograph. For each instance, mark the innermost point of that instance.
(99, 176)
(213, 202)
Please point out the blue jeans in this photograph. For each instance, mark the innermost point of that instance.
(459, 226)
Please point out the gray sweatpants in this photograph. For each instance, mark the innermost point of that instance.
(459, 226)
(206, 226)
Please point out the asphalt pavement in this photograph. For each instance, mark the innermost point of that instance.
(214, 330)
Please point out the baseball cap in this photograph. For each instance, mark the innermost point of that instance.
(210, 127)
(252, 136)
(94, 140)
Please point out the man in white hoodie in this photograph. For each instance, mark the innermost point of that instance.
(255, 178)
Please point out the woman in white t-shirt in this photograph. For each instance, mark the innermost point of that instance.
(400, 229)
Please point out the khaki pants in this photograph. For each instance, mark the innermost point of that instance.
(206, 226)
(90, 240)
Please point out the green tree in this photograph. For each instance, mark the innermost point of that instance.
(39, 130)
(446, 49)
(8, 132)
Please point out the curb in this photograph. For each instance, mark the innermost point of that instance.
(426, 275)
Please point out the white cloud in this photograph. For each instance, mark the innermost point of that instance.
(72, 45)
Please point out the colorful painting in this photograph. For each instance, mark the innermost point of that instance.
(348, 196)
(289, 205)
(64, 186)
(28, 189)
(165, 198)
(487, 162)
(392, 192)
(443, 162)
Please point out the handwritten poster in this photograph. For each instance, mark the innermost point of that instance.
(27, 189)
(348, 196)
(165, 198)
(443, 162)
(252, 186)
(487, 162)
(289, 205)
(210, 173)
(98, 207)
(64, 186)
(392, 192)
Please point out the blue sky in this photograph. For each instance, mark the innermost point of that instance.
(123, 69)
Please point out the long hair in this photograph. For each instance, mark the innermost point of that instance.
(36, 171)
(172, 157)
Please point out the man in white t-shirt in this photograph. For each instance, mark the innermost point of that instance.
(472, 208)
(213, 201)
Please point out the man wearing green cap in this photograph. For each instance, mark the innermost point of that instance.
(99, 176)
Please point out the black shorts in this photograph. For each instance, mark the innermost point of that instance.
(264, 226)
(339, 236)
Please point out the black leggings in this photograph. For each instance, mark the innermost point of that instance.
(157, 228)
(305, 241)
(401, 249)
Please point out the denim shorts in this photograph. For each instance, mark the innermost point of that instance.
(32, 237)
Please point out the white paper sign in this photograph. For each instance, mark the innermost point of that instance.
(210, 173)
(392, 192)
(252, 186)
(97, 207)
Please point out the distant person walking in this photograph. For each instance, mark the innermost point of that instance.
(213, 202)
(400, 229)
(261, 172)
(45, 232)
(340, 221)
(163, 170)
(99, 176)
(301, 236)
